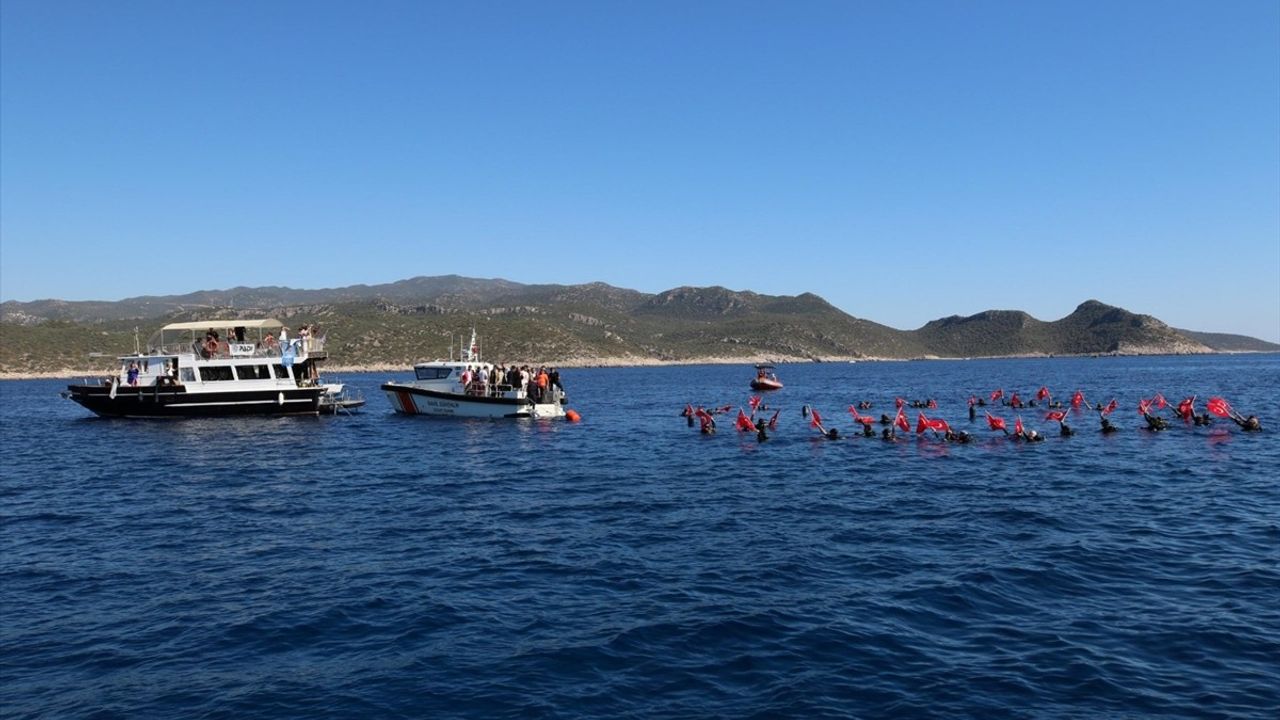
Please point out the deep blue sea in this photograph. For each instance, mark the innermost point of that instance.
(627, 566)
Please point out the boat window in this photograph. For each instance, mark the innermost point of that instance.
(216, 372)
(253, 372)
(282, 372)
(432, 373)
(188, 374)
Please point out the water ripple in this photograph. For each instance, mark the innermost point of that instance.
(378, 565)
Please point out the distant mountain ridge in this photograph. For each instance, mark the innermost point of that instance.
(408, 320)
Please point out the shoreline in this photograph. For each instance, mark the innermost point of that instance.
(631, 361)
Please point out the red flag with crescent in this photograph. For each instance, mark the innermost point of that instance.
(939, 425)
(996, 395)
(754, 402)
(995, 422)
(902, 422)
(1110, 408)
(1077, 400)
(1015, 401)
(1042, 393)
(1056, 415)
(1159, 401)
(815, 419)
(899, 403)
(932, 404)
(688, 410)
(773, 421)
(744, 422)
(1144, 407)
(1187, 408)
(1017, 426)
(922, 424)
(1219, 407)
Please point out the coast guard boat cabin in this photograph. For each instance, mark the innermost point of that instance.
(450, 388)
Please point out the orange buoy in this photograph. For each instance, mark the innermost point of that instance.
(572, 416)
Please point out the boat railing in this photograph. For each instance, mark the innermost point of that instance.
(231, 351)
(495, 390)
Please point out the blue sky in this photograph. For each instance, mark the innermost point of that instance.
(905, 160)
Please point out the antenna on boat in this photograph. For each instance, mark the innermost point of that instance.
(137, 349)
(473, 351)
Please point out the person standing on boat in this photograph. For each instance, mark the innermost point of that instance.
(543, 380)
(482, 380)
(304, 336)
(284, 336)
(132, 374)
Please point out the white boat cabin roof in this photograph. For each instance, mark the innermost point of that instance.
(265, 323)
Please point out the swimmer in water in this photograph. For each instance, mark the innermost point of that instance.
(1155, 423)
(1107, 427)
(1250, 424)
(761, 435)
(1065, 430)
(888, 434)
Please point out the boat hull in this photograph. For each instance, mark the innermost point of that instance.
(411, 400)
(766, 385)
(176, 401)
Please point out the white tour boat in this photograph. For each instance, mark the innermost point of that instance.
(438, 389)
(217, 367)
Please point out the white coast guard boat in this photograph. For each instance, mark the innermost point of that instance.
(438, 388)
(217, 367)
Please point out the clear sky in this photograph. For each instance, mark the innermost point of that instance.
(905, 160)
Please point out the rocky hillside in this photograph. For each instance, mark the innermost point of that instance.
(1092, 328)
(406, 321)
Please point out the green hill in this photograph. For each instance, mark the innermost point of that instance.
(399, 323)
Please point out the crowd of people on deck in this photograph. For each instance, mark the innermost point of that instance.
(493, 381)
(761, 423)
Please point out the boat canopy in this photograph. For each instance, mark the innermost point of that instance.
(176, 337)
(206, 324)
(764, 367)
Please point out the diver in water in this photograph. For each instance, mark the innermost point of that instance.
(832, 434)
(888, 434)
(1155, 423)
(885, 419)
(867, 431)
(1065, 429)
(958, 437)
(1203, 419)
(1107, 427)
(1250, 424)
(761, 435)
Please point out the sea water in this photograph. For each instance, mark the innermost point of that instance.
(377, 565)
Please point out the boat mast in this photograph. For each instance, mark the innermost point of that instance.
(472, 353)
